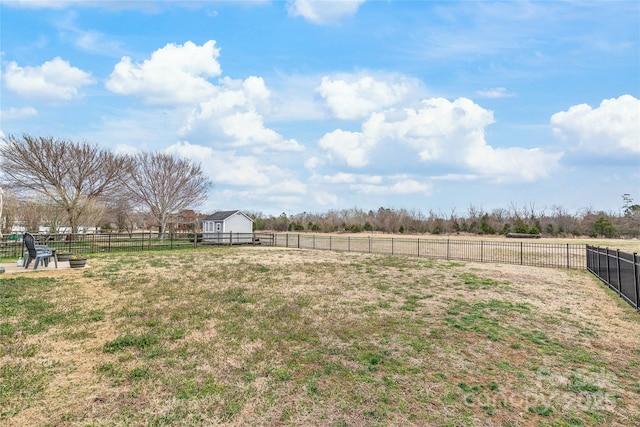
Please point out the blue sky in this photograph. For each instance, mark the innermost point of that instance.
(310, 106)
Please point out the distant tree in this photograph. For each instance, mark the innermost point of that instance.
(31, 215)
(630, 222)
(9, 212)
(165, 185)
(122, 213)
(520, 226)
(295, 226)
(485, 226)
(603, 227)
(70, 174)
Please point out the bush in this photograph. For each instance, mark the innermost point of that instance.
(603, 227)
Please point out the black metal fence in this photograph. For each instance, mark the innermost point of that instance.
(109, 242)
(559, 255)
(619, 270)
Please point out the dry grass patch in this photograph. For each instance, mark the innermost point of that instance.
(270, 336)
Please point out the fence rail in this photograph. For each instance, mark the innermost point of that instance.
(557, 255)
(111, 242)
(618, 270)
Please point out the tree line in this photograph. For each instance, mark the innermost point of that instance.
(59, 182)
(555, 221)
(56, 183)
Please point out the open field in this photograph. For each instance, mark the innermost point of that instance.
(627, 245)
(273, 336)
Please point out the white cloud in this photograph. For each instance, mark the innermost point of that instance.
(613, 128)
(401, 185)
(48, 4)
(356, 98)
(225, 167)
(55, 80)
(339, 178)
(321, 11)
(496, 92)
(125, 149)
(506, 164)
(410, 186)
(232, 116)
(173, 74)
(346, 178)
(443, 132)
(18, 113)
(352, 147)
(246, 174)
(312, 162)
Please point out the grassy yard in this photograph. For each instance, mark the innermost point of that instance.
(272, 336)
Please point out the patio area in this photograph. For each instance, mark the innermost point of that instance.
(12, 268)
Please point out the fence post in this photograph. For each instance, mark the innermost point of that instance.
(521, 254)
(298, 240)
(392, 246)
(481, 250)
(447, 249)
(618, 268)
(608, 269)
(418, 247)
(637, 279)
(348, 243)
(369, 244)
(330, 247)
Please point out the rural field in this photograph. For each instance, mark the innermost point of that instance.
(251, 335)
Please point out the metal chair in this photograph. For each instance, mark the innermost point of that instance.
(37, 252)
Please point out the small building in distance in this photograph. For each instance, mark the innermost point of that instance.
(227, 227)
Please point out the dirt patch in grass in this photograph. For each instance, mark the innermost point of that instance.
(275, 336)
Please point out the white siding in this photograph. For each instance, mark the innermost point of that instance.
(217, 231)
(237, 223)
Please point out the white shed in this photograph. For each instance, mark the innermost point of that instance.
(227, 227)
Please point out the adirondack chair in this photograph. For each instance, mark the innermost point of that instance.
(37, 253)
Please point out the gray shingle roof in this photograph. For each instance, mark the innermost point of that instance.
(220, 216)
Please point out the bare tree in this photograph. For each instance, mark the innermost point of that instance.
(70, 174)
(51, 215)
(9, 211)
(122, 214)
(32, 215)
(165, 185)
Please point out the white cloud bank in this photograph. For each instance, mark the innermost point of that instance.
(443, 132)
(612, 129)
(496, 92)
(229, 112)
(356, 98)
(232, 117)
(321, 11)
(54, 81)
(173, 74)
(18, 113)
